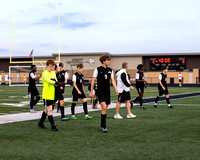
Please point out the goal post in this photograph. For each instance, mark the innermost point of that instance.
(19, 75)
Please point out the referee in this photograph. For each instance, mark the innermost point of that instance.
(103, 75)
(123, 87)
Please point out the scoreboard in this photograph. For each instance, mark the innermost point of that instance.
(173, 63)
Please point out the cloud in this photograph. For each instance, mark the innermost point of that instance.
(3, 50)
(72, 20)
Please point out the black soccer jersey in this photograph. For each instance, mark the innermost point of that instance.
(139, 76)
(163, 78)
(103, 79)
(61, 76)
(79, 78)
(32, 80)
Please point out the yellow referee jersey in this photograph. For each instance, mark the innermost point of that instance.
(48, 91)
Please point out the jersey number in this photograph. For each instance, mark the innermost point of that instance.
(106, 76)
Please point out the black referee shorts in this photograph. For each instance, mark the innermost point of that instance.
(124, 96)
(48, 102)
(59, 94)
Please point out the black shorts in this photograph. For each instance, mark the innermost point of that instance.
(180, 80)
(59, 94)
(163, 92)
(33, 92)
(124, 96)
(48, 102)
(76, 96)
(103, 97)
(140, 89)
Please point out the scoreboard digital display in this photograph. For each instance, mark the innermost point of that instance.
(173, 63)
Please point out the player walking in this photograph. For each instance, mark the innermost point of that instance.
(62, 77)
(78, 92)
(32, 89)
(123, 87)
(162, 87)
(48, 94)
(103, 74)
(140, 85)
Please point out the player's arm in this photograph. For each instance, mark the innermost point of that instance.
(57, 68)
(66, 77)
(74, 84)
(92, 86)
(33, 76)
(159, 81)
(114, 83)
(124, 80)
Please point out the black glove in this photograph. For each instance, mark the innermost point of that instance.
(56, 83)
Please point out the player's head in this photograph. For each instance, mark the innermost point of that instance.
(80, 68)
(33, 68)
(140, 67)
(50, 64)
(125, 65)
(165, 69)
(61, 65)
(105, 59)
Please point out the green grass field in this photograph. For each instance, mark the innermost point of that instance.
(156, 134)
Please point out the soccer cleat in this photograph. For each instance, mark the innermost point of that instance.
(65, 119)
(117, 116)
(170, 107)
(54, 128)
(143, 108)
(88, 117)
(130, 116)
(73, 117)
(103, 129)
(41, 125)
(155, 106)
(32, 111)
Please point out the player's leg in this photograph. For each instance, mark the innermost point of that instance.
(137, 98)
(84, 101)
(168, 102)
(156, 100)
(141, 100)
(36, 94)
(92, 101)
(73, 109)
(104, 107)
(43, 117)
(48, 111)
(120, 100)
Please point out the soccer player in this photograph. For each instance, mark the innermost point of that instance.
(162, 87)
(32, 89)
(48, 94)
(78, 92)
(94, 102)
(123, 87)
(103, 74)
(140, 85)
(180, 78)
(62, 77)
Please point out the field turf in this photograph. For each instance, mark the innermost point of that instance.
(156, 134)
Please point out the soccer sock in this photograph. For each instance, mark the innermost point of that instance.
(141, 102)
(85, 108)
(36, 101)
(136, 99)
(51, 120)
(167, 99)
(73, 108)
(157, 99)
(44, 115)
(58, 106)
(62, 110)
(103, 120)
(31, 102)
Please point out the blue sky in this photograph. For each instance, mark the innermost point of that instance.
(115, 26)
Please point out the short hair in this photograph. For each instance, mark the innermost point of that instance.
(33, 66)
(124, 65)
(50, 61)
(164, 67)
(61, 64)
(104, 57)
(140, 66)
(80, 65)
